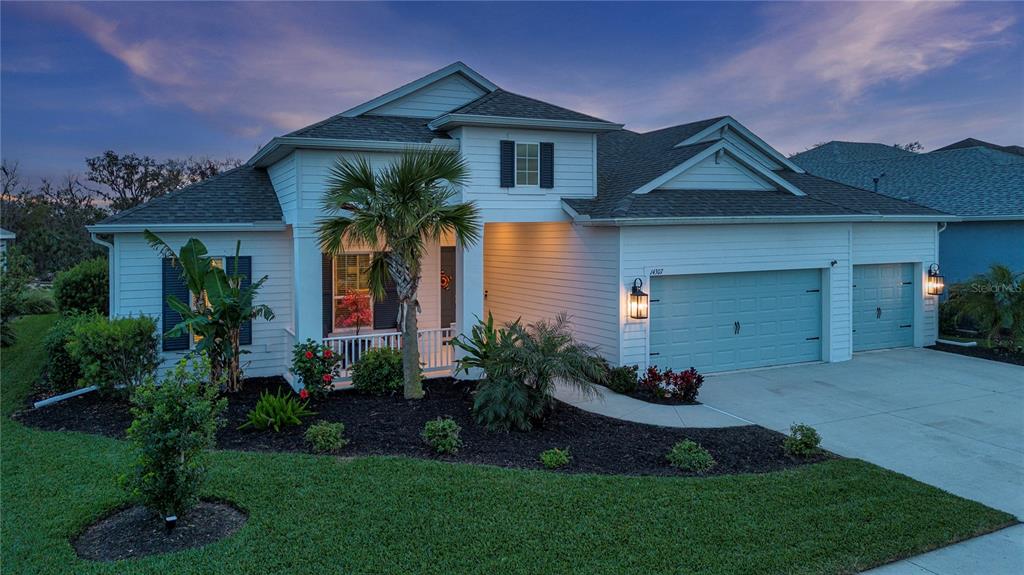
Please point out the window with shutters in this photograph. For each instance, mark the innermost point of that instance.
(353, 303)
(219, 264)
(527, 164)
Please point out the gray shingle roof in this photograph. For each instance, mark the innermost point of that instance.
(836, 151)
(975, 181)
(367, 127)
(501, 103)
(976, 143)
(241, 195)
(824, 198)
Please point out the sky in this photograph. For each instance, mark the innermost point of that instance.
(220, 79)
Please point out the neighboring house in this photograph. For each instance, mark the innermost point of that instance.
(748, 260)
(6, 237)
(982, 183)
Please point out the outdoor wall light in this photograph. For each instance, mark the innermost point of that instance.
(936, 283)
(638, 300)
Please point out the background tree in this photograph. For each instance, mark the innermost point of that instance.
(396, 213)
(914, 146)
(127, 180)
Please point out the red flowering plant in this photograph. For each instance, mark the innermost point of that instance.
(314, 364)
(668, 384)
(353, 310)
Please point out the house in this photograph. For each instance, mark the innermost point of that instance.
(6, 237)
(747, 260)
(982, 183)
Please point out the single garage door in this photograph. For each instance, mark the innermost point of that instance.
(883, 306)
(721, 322)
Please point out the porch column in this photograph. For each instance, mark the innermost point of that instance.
(469, 295)
(308, 285)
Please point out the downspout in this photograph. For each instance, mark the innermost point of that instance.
(110, 270)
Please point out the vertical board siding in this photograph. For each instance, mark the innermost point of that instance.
(433, 100)
(724, 174)
(534, 271)
(679, 250)
(138, 292)
(284, 177)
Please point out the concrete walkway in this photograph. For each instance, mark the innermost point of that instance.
(948, 420)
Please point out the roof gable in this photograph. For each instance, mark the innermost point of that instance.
(717, 148)
(432, 100)
(718, 172)
(728, 128)
(446, 90)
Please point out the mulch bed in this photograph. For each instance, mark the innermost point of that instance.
(137, 532)
(392, 425)
(981, 352)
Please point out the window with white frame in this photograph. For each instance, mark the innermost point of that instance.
(219, 264)
(353, 305)
(527, 164)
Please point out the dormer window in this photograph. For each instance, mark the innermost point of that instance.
(527, 164)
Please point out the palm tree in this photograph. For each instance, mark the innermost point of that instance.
(994, 301)
(396, 212)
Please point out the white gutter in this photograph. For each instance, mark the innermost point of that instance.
(111, 271)
(664, 221)
(186, 227)
(277, 148)
(448, 121)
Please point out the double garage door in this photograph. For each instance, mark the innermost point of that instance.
(728, 321)
(722, 322)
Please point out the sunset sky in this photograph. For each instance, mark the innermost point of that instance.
(177, 79)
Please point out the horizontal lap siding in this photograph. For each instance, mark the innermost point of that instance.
(283, 175)
(138, 288)
(723, 174)
(574, 167)
(537, 270)
(901, 243)
(679, 250)
(431, 101)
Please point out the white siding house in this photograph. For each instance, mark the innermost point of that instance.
(748, 261)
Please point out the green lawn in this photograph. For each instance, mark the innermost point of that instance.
(392, 515)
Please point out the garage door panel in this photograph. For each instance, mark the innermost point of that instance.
(883, 306)
(693, 319)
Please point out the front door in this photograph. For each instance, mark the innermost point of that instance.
(447, 286)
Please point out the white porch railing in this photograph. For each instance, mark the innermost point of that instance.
(436, 353)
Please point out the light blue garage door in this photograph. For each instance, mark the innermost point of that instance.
(883, 306)
(721, 322)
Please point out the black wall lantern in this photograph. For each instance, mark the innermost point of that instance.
(638, 301)
(936, 283)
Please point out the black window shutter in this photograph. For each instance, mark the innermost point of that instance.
(547, 165)
(508, 164)
(245, 270)
(385, 312)
(173, 284)
(327, 285)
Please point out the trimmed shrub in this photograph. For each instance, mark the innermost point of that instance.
(378, 371)
(326, 437)
(668, 384)
(83, 288)
(555, 458)
(622, 379)
(802, 441)
(62, 371)
(175, 424)
(442, 434)
(277, 411)
(115, 354)
(314, 363)
(690, 456)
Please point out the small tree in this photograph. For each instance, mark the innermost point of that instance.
(219, 309)
(355, 310)
(396, 212)
(175, 424)
(994, 301)
(83, 288)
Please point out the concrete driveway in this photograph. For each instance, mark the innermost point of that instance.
(951, 421)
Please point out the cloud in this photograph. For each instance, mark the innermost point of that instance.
(266, 72)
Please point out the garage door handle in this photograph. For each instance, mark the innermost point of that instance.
(908, 325)
(878, 313)
(736, 327)
(813, 338)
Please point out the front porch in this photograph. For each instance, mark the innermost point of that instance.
(436, 353)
